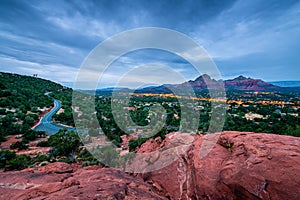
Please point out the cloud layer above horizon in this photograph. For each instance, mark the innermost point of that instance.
(52, 38)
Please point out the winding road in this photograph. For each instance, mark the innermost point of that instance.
(46, 124)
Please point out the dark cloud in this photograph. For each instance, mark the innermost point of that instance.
(237, 34)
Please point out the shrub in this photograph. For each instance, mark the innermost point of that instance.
(40, 158)
(19, 145)
(19, 162)
(6, 156)
(43, 144)
(64, 143)
(30, 135)
(89, 163)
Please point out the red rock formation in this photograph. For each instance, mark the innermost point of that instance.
(243, 83)
(64, 181)
(206, 82)
(152, 144)
(240, 166)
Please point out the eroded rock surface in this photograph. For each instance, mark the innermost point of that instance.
(64, 181)
(240, 166)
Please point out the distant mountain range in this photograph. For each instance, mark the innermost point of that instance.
(239, 83)
(205, 82)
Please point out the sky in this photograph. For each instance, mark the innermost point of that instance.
(254, 38)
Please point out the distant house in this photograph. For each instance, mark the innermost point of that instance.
(200, 107)
(128, 108)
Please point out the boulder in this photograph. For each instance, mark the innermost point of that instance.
(239, 166)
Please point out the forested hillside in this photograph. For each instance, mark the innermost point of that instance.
(23, 98)
(25, 92)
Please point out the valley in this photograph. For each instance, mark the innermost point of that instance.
(39, 136)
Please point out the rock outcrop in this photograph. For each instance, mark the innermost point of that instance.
(64, 181)
(240, 166)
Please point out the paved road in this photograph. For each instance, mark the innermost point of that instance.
(47, 124)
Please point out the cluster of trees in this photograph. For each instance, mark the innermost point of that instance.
(28, 135)
(25, 92)
(65, 147)
(272, 122)
(14, 123)
(63, 144)
(9, 160)
(20, 98)
(106, 120)
(283, 125)
(65, 117)
(65, 96)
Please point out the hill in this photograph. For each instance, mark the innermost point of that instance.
(25, 92)
(205, 82)
(23, 99)
(249, 84)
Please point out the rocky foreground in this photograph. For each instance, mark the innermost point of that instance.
(240, 166)
(64, 181)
